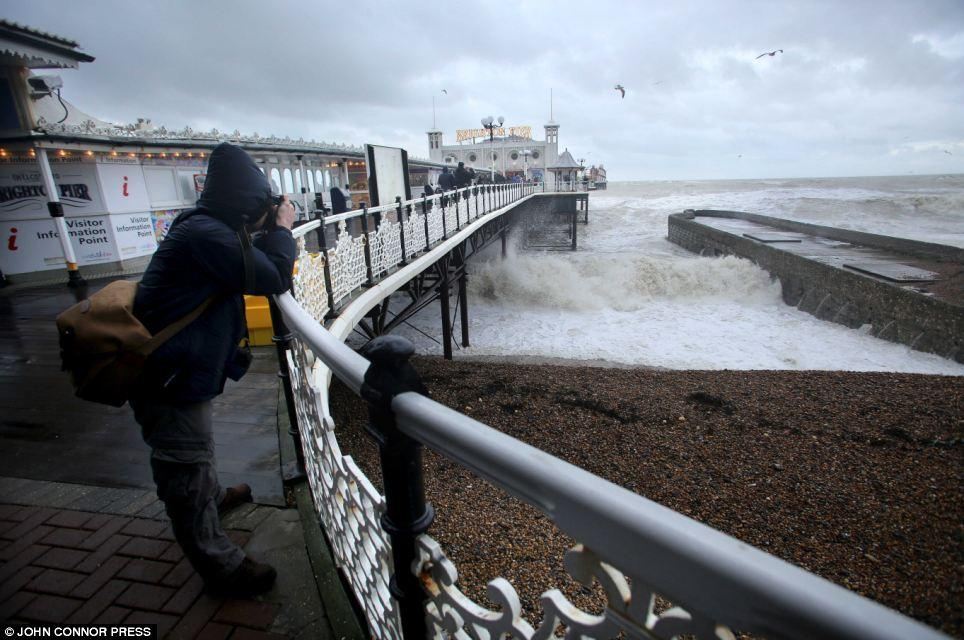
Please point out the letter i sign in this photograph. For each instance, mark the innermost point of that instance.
(124, 190)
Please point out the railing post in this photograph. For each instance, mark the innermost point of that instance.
(443, 201)
(401, 226)
(369, 274)
(320, 231)
(377, 219)
(407, 515)
(323, 248)
(282, 341)
(458, 222)
(428, 240)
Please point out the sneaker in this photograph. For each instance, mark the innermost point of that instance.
(249, 579)
(234, 497)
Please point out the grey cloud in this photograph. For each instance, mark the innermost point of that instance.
(851, 86)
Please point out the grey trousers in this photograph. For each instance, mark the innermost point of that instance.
(182, 460)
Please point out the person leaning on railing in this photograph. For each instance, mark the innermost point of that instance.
(207, 256)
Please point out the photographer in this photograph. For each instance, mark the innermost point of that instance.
(206, 259)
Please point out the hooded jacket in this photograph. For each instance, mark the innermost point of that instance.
(202, 257)
(446, 180)
(462, 178)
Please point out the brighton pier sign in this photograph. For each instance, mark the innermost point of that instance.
(471, 134)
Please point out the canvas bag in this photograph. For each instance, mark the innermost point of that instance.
(104, 346)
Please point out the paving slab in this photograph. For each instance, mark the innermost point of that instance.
(128, 576)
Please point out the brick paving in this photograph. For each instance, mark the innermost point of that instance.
(71, 566)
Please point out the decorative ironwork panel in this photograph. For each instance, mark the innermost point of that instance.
(386, 247)
(414, 234)
(630, 611)
(435, 230)
(347, 261)
(348, 505)
(449, 217)
(309, 282)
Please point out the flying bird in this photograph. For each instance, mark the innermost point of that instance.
(769, 53)
(657, 82)
(620, 89)
(948, 152)
(445, 92)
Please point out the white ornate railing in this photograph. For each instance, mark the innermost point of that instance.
(633, 547)
(348, 505)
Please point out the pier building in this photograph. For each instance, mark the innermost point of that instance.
(118, 187)
(507, 150)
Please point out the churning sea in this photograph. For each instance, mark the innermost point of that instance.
(630, 297)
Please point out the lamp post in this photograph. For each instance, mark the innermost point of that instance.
(488, 123)
(525, 164)
(582, 161)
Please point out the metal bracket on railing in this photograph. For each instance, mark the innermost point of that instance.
(407, 515)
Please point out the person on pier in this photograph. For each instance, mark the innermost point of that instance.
(338, 203)
(446, 181)
(208, 258)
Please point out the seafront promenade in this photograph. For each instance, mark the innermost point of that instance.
(83, 538)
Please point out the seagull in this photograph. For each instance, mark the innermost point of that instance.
(657, 82)
(948, 152)
(769, 53)
(445, 92)
(620, 89)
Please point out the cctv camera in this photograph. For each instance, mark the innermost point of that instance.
(44, 85)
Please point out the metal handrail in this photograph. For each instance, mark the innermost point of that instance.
(686, 561)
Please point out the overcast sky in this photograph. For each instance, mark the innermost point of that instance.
(861, 88)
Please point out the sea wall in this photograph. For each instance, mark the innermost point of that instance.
(894, 313)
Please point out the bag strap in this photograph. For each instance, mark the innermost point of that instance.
(248, 258)
(170, 330)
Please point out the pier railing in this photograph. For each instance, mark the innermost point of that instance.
(634, 548)
(358, 247)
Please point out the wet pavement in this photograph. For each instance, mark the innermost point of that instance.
(48, 434)
(83, 538)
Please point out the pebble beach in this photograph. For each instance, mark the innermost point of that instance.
(856, 477)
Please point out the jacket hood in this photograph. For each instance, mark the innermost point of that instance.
(235, 190)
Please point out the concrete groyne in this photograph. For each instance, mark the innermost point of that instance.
(905, 291)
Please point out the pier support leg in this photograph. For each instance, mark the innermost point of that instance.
(464, 308)
(446, 314)
(575, 219)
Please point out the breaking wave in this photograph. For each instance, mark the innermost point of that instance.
(618, 281)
